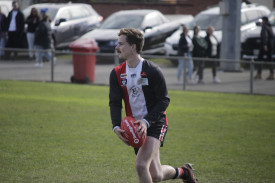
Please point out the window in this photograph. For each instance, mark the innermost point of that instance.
(118, 21)
(91, 11)
(206, 20)
(64, 14)
(152, 20)
(252, 15)
(272, 19)
(79, 12)
(86, 11)
(52, 13)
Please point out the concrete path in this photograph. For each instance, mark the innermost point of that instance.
(233, 82)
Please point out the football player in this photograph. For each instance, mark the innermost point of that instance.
(141, 84)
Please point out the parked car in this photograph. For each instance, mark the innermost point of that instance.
(249, 14)
(6, 7)
(252, 39)
(68, 21)
(181, 18)
(152, 23)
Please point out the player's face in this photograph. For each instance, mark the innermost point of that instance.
(123, 48)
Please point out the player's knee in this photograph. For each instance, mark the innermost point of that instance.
(140, 167)
(156, 177)
(156, 174)
(143, 168)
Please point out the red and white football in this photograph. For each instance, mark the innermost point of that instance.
(131, 133)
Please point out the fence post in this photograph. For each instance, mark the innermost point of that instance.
(52, 64)
(251, 75)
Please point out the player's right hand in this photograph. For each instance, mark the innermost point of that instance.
(119, 133)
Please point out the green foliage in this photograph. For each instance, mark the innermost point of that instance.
(53, 132)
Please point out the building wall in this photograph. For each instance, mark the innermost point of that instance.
(167, 7)
(180, 7)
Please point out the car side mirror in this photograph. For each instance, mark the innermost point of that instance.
(59, 21)
(148, 28)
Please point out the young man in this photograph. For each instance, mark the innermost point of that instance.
(43, 39)
(16, 28)
(141, 85)
(267, 47)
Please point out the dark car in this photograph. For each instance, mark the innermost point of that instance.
(252, 40)
(152, 23)
(68, 21)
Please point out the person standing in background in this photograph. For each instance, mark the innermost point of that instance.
(212, 51)
(16, 24)
(32, 22)
(185, 47)
(3, 32)
(267, 41)
(43, 39)
(199, 50)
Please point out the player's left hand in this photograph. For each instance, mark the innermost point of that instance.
(142, 129)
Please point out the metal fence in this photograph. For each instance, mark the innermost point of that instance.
(61, 71)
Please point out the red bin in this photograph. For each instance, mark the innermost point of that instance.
(84, 64)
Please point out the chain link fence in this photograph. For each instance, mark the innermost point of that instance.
(62, 70)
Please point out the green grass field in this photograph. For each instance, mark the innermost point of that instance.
(52, 132)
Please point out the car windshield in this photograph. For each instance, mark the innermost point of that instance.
(206, 20)
(51, 11)
(118, 21)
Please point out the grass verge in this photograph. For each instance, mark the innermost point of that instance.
(52, 132)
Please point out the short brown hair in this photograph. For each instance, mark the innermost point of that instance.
(133, 36)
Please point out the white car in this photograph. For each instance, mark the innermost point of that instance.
(69, 21)
(249, 14)
(6, 7)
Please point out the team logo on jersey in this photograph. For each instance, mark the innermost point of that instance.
(123, 75)
(133, 75)
(135, 91)
(123, 82)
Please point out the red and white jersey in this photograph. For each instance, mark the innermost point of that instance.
(143, 90)
(134, 88)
